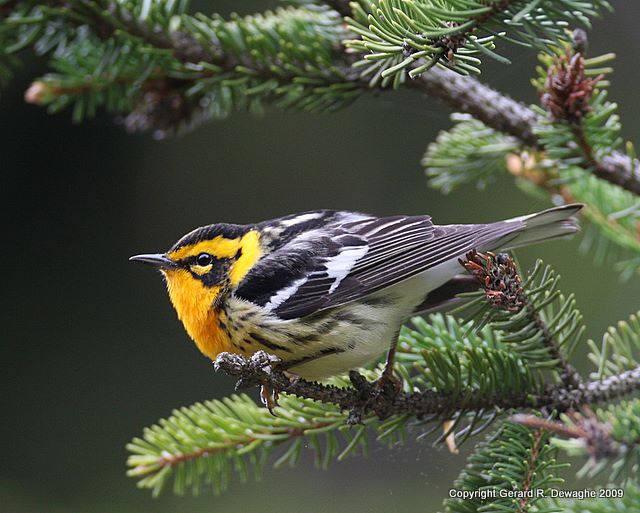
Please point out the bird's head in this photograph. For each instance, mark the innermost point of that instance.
(202, 268)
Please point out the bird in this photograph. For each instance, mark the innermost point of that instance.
(327, 291)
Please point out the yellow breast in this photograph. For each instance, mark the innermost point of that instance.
(193, 303)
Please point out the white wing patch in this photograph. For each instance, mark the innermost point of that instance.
(283, 294)
(339, 266)
(303, 218)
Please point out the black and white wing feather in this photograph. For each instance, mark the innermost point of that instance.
(346, 256)
(356, 251)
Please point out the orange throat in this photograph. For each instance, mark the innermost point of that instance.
(193, 302)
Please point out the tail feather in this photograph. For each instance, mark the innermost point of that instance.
(541, 226)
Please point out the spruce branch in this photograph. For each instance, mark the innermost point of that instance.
(423, 404)
(471, 152)
(212, 75)
(527, 320)
(394, 36)
(503, 114)
(609, 437)
(217, 438)
(259, 370)
(499, 112)
(513, 460)
(197, 67)
(573, 92)
(525, 311)
(592, 434)
(569, 96)
(207, 442)
(577, 131)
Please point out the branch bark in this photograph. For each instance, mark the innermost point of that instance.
(494, 109)
(259, 369)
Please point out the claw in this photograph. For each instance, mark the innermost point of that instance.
(269, 398)
(293, 378)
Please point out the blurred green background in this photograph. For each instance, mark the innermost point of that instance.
(92, 351)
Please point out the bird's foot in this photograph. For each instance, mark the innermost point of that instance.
(255, 370)
(376, 397)
(387, 385)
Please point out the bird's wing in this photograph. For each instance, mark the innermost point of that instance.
(347, 261)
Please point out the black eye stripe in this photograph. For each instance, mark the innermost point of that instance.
(192, 260)
(213, 276)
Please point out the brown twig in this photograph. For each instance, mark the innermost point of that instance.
(498, 276)
(174, 459)
(595, 436)
(536, 446)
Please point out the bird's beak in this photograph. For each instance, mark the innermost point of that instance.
(158, 260)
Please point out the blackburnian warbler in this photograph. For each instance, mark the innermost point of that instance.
(327, 291)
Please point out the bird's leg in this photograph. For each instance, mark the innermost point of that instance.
(387, 384)
(387, 373)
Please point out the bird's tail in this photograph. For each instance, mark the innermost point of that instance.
(541, 226)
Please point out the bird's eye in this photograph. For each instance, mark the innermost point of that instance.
(204, 259)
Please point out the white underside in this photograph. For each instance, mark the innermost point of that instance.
(370, 344)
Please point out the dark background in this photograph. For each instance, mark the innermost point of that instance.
(92, 351)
